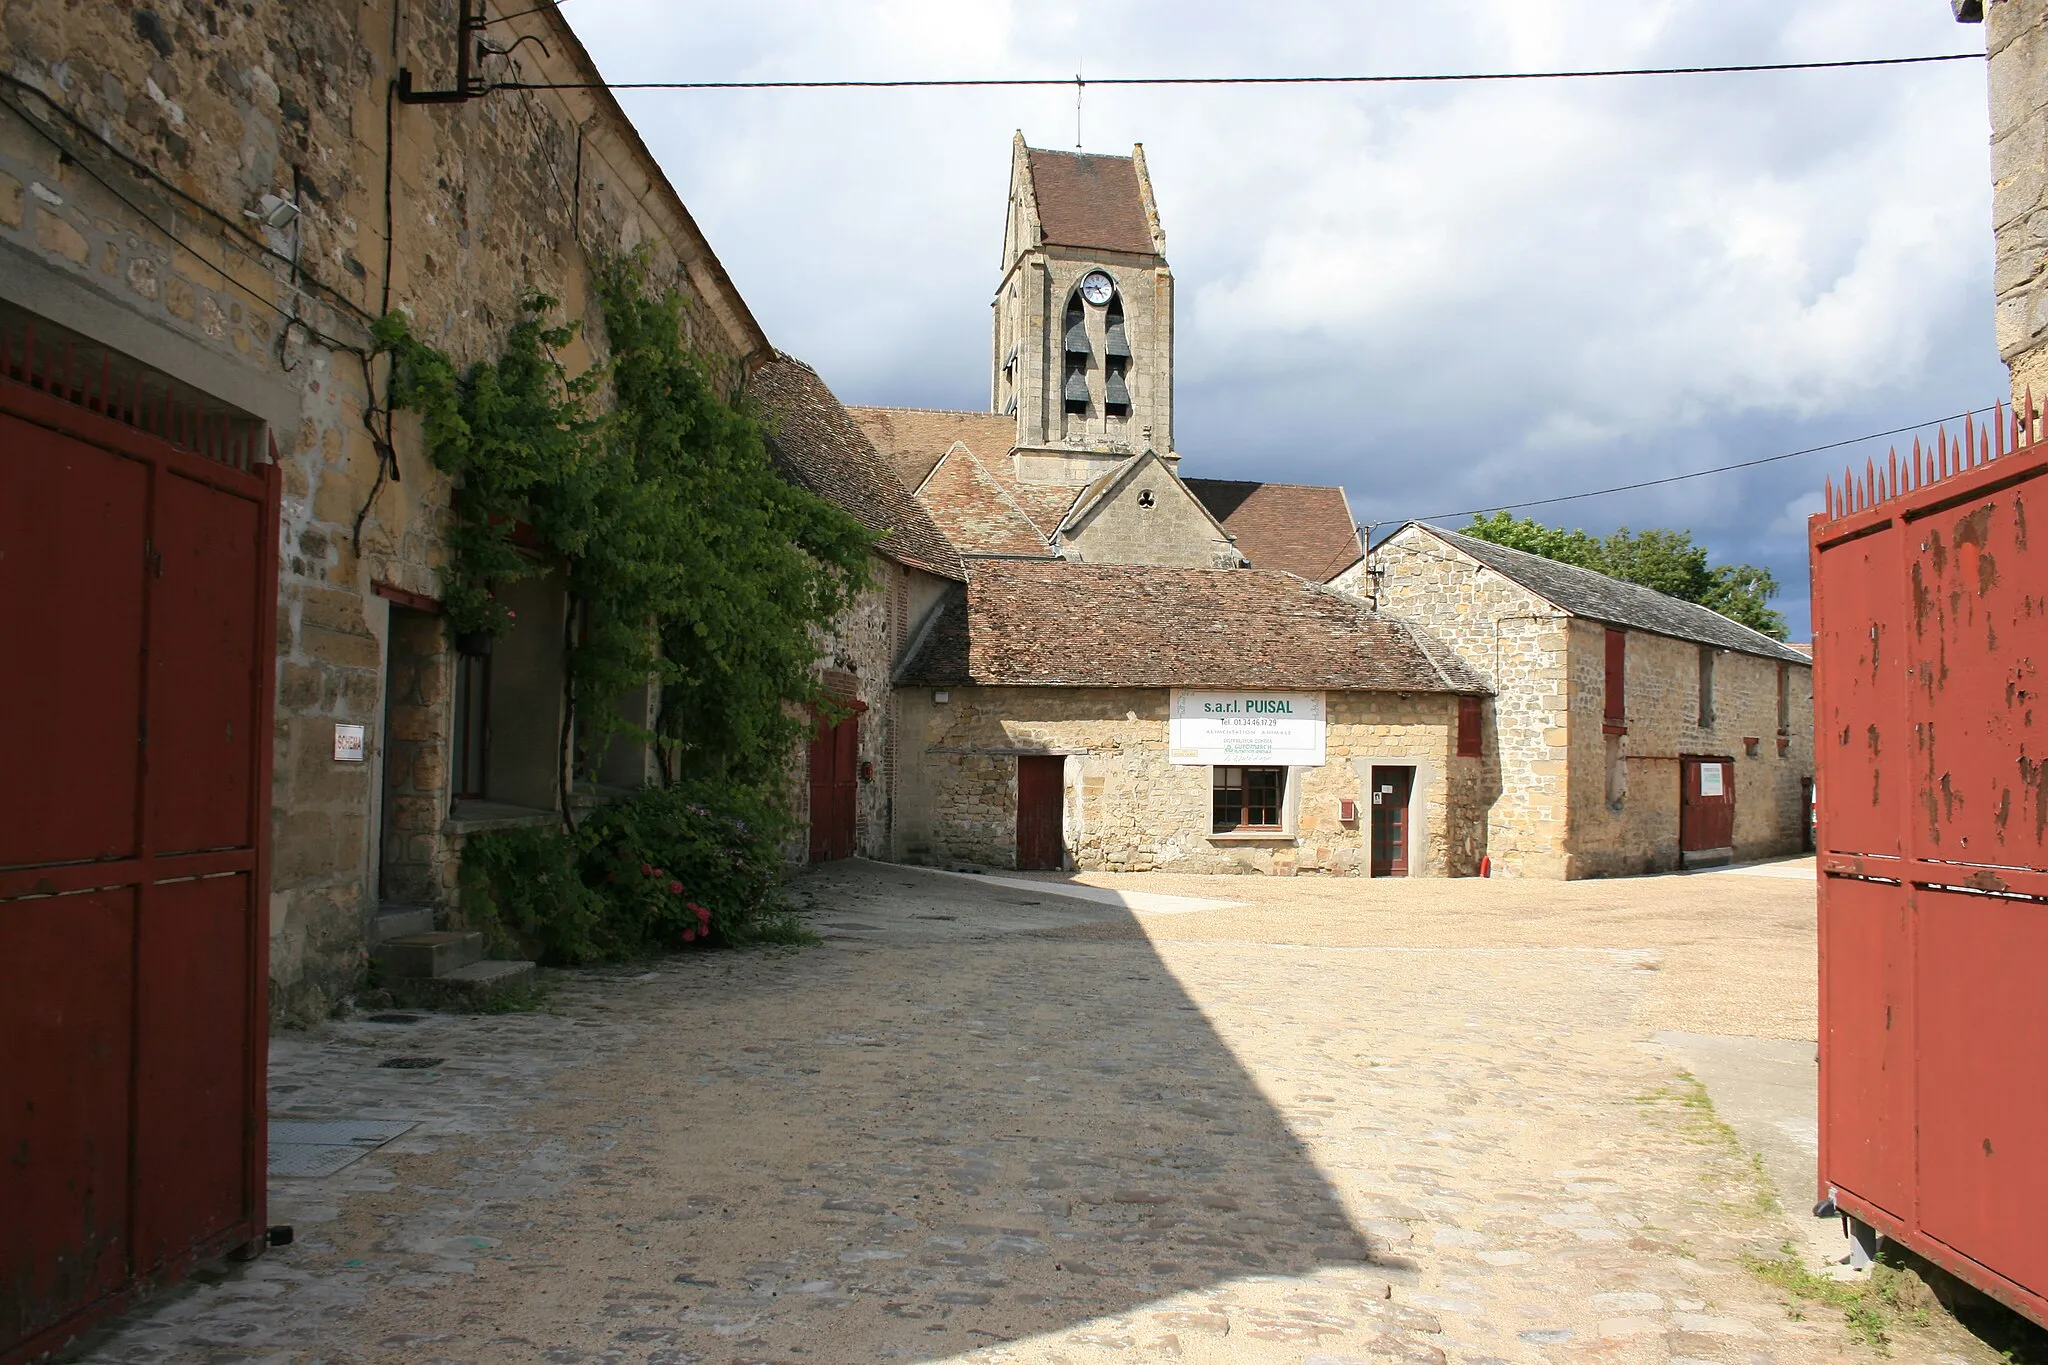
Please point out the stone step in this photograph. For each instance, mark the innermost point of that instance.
(402, 921)
(413, 957)
(493, 982)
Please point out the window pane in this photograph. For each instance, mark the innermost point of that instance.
(1227, 808)
(1262, 796)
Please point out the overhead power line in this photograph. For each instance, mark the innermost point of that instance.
(1703, 473)
(1051, 82)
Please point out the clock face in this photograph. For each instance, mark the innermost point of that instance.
(1097, 287)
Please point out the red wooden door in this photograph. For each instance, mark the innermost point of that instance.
(1041, 803)
(1706, 804)
(1390, 792)
(138, 596)
(835, 785)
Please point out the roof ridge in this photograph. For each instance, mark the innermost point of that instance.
(1756, 641)
(899, 407)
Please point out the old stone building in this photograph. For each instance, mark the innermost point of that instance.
(2016, 41)
(209, 209)
(842, 784)
(1628, 731)
(1197, 720)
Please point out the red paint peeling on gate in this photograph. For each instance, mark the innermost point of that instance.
(1930, 610)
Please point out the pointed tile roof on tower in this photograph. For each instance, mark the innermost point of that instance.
(1086, 200)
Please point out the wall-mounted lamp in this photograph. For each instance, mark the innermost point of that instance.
(273, 211)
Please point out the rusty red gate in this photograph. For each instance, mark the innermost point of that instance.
(138, 573)
(1930, 612)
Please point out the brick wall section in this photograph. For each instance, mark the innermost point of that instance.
(1129, 809)
(2017, 41)
(1639, 833)
(1516, 642)
(485, 208)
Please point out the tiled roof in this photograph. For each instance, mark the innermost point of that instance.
(976, 513)
(1303, 529)
(1088, 200)
(1597, 597)
(913, 439)
(819, 448)
(1116, 625)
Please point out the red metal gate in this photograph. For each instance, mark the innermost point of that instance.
(138, 581)
(1930, 610)
(1041, 812)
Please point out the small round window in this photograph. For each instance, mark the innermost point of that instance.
(1145, 498)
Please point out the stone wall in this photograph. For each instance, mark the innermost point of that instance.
(862, 648)
(1173, 531)
(1129, 809)
(1631, 826)
(1517, 642)
(417, 866)
(2016, 36)
(123, 187)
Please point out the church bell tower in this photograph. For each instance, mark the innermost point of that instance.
(1083, 335)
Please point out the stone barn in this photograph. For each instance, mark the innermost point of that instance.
(1056, 715)
(1628, 731)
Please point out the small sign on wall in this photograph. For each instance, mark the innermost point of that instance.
(1710, 779)
(348, 743)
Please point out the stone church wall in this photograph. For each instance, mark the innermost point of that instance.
(490, 200)
(1173, 532)
(1128, 809)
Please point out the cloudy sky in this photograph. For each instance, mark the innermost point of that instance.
(1443, 298)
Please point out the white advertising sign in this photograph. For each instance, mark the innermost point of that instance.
(1710, 779)
(1283, 729)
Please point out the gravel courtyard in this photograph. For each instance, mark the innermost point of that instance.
(1339, 1122)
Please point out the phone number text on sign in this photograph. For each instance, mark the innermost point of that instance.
(1278, 729)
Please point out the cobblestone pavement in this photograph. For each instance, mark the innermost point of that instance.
(987, 1125)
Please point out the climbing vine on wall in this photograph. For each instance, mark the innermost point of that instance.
(646, 483)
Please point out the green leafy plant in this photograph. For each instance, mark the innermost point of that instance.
(645, 483)
(696, 864)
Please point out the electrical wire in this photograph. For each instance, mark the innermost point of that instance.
(1442, 78)
(1703, 473)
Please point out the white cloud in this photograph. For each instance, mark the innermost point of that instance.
(1442, 296)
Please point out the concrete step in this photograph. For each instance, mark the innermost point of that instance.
(402, 921)
(412, 957)
(476, 985)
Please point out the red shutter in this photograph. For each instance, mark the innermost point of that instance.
(1468, 727)
(1617, 675)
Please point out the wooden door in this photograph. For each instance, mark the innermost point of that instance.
(1706, 805)
(1390, 789)
(1041, 802)
(835, 783)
